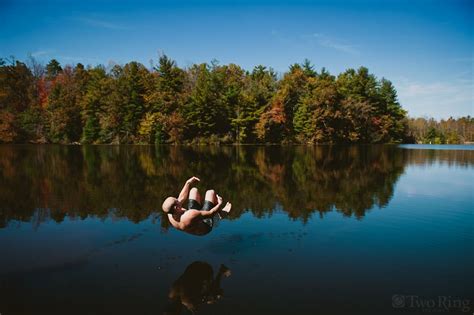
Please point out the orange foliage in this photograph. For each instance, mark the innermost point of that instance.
(43, 92)
(7, 130)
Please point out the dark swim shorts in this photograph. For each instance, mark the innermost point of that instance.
(194, 204)
(208, 205)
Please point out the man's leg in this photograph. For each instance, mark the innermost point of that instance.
(210, 200)
(194, 195)
(211, 197)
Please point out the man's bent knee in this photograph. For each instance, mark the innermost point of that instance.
(194, 194)
(211, 196)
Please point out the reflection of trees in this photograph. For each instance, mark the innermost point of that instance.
(132, 181)
(462, 158)
(349, 179)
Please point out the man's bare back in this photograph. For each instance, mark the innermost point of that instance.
(198, 218)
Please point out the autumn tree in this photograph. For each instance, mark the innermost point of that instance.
(17, 94)
(164, 101)
(318, 116)
(276, 123)
(259, 87)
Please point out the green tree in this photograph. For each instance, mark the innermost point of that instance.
(131, 84)
(395, 129)
(53, 68)
(318, 117)
(279, 114)
(205, 112)
(259, 87)
(165, 98)
(94, 114)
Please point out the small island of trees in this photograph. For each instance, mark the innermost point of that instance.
(206, 103)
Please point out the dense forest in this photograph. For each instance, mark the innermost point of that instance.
(204, 103)
(449, 131)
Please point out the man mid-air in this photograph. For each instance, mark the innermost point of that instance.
(198, 218)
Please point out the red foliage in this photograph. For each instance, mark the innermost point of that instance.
(43, 92)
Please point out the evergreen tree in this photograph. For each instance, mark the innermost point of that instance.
(53, 68)
(93, 105)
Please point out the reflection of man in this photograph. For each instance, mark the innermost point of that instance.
(198, 219)
(196, 286)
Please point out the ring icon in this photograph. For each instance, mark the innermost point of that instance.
(398, 301)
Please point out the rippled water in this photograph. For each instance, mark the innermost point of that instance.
(330, 230)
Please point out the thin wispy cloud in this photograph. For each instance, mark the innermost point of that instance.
(51, 53)
(318, 39)
(100, 23)
(41, 53)
(74, 59)
(332, 43)
(282, 38)
(336, 44)
(45, 55)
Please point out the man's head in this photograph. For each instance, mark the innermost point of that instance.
(170, 204)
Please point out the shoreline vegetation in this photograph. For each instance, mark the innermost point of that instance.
(207, 103)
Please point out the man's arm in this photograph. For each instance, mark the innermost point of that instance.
(183, 195)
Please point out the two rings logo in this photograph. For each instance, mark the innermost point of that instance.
(441, 303)
(398, 301)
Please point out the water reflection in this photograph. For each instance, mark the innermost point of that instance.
(39, 183)
(195, 287)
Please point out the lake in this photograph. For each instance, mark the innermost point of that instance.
(313, 230)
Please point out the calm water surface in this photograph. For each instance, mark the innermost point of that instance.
(314, 230)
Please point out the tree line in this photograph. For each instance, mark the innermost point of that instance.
(445, 131)
(201, 103)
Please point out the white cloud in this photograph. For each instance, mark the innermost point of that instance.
(74, 59)
(310, 40)
(326, 41)
(40, 53)
(45, 55)
(440, 99)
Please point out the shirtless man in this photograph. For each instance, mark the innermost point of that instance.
(198, 218)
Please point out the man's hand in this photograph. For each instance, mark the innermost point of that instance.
(219, 200)
(184, 194)
(192, 180)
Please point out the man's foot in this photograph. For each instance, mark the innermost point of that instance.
(225, 211)
(227, 207)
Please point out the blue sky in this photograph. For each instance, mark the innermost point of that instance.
(424, 47)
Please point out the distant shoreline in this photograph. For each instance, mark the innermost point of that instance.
(235, 144)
